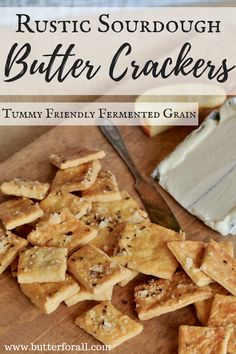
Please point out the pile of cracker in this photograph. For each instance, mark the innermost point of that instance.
(75, 239)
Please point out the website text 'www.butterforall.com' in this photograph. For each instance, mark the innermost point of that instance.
(64, 347)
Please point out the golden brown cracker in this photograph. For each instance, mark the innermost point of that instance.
(16, 212)
(42, 264)
(76, 178)
(220, 266)
(48, 296)
(143, 247)
(25, 188)
(75, 157)
(61, 229)
(95, 269)
(108, 325)
(105, 189)
(162, 296)
(203, 340)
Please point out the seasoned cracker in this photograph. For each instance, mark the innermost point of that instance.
(10, 246)
(220, 266)
(61, 229)
(203, 308)
(48, 296)
(203, 340)
(105, 189)
(95, 269)
(223, 314)
(162, 296)
(126, 209)
(25, 188)
(83, 295)
(58, 200)
(75, 157)
(189, 254)
(106, 218)
(18, 212)
(76, 178)
(108, 325)
(42, 265)
(143, 247)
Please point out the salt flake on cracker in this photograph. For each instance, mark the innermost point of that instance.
(108, 325)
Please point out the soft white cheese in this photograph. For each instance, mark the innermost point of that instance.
(201, 173)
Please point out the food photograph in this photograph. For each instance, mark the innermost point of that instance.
(118, 176)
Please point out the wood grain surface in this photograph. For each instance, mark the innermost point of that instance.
(20, 321)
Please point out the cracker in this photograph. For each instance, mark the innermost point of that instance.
(105, 240)
(75, 157)
(42, 264)
(203, 340)
(106, 217)
(58, 200)
(10, 246)
(107, 237)
(105, 189)
(25, 188)
(143, 247)
(48, 296)
(223, 313)
(76, 178)
(162, 296)
(203, 308)
(220, 266)
(83, 295)
(61, 229)
(95, 269)
(108, 325)
(189, 254)
(126, 209)
(18, 212)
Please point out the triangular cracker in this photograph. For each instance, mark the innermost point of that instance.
(189, 254)
(76, 178)
(162, 296)
(105, 189)
(143, 247)
(203, 308)
(203, 340)
(108, 325)
(223, 313)
(61, 229)
(95, 270)
(220, 266)
(25, 188)
(10, 246)
(75, 157)
(42, 264)
(16, 212)
(58, 200)
(48, 296)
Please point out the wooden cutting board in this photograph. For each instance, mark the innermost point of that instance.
(20, 321)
